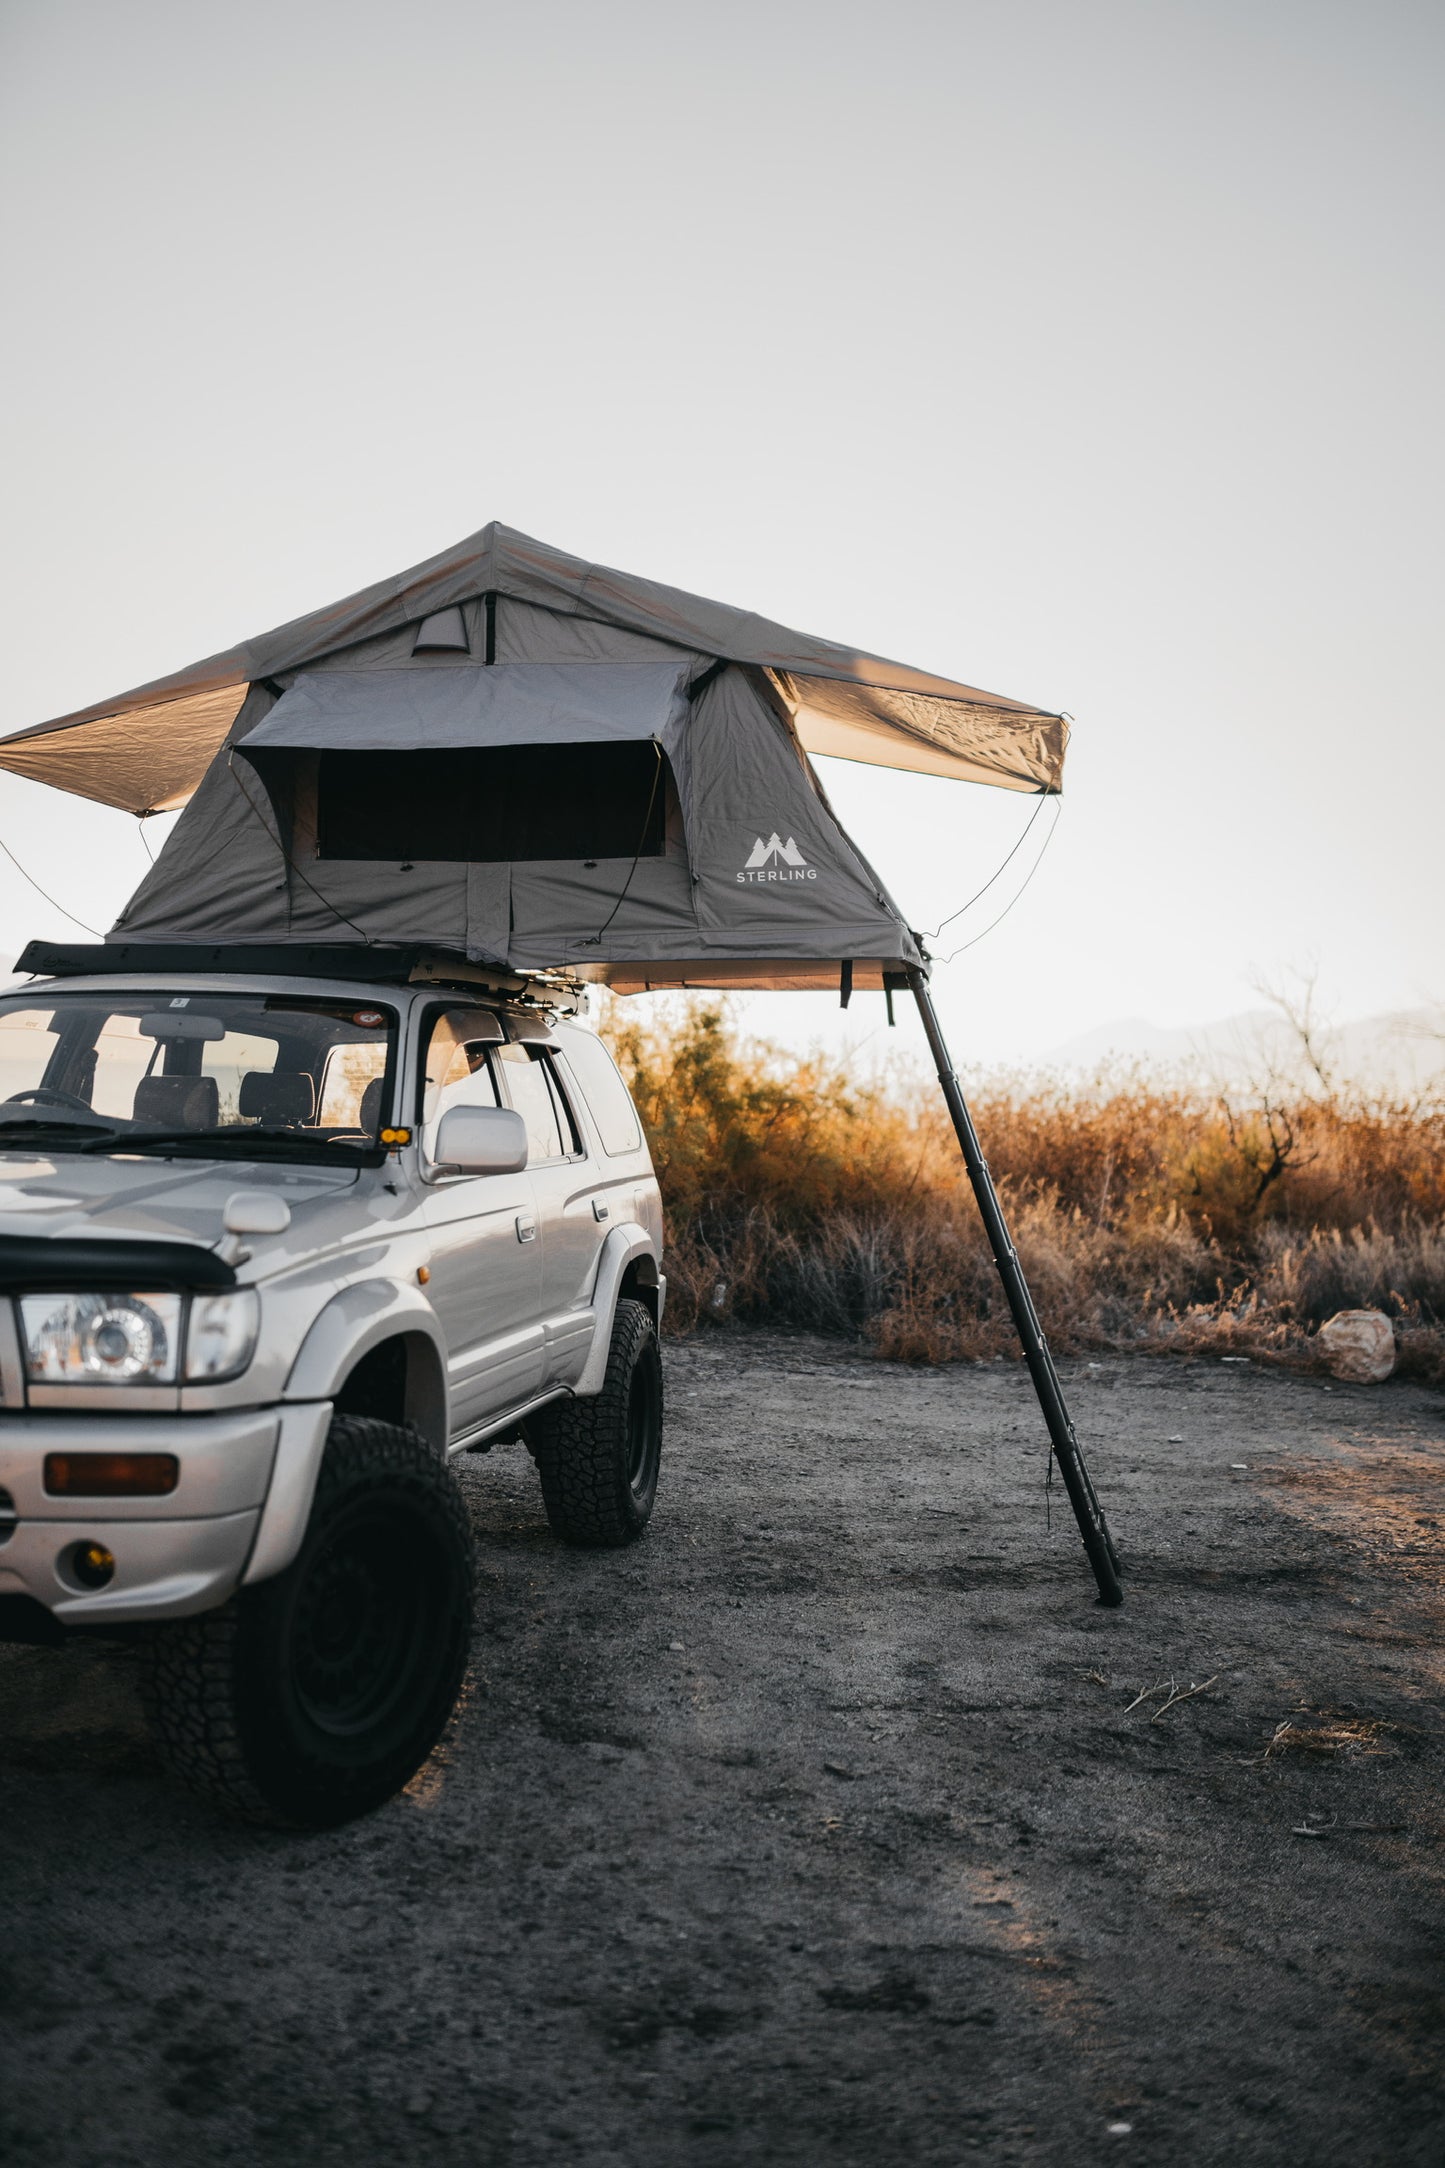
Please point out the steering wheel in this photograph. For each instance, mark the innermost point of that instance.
(50, 1095)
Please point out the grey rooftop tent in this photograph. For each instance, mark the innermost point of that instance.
(339, 775)
(533, 764)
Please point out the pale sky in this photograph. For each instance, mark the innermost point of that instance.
(1084, 350)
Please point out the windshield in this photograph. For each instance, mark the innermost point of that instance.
(248, 1075)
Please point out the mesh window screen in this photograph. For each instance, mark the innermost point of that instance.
(494, 803)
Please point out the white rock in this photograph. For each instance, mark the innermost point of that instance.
(1359, 1346)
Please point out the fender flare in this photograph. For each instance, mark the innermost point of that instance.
(351, 1325)
(623, 1246)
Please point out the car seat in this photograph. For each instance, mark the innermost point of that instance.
(369, 1114)
(177, 1102)
(281, 1098)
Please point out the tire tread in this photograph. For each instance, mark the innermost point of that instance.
(579, 1441)
(189, 1682)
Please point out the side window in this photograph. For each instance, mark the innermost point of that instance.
(229, 1060)
(531, 1089)
(27, 1042)
(350, 1068)
(456, 1071)
(604, 1091)
(123, 1057)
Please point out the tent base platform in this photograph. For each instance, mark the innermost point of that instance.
(404, 963)
(394, 965)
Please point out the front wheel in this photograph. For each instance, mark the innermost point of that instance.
(598, 1457)
(313, 1697)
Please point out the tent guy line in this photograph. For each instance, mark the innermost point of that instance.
(513, 767)
(932, 933)
(965, 946)
(60, 907)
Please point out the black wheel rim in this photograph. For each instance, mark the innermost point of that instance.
(644, 1428)
(364, 1629)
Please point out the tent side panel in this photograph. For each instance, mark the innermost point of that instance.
(774, 873)
(221, 874)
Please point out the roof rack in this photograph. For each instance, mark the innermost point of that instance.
(410, 965)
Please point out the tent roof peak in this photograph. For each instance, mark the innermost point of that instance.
(145, 750)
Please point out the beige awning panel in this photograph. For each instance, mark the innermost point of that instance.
(889, 728)
(149, 760)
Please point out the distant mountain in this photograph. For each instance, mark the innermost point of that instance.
(1400, 1050)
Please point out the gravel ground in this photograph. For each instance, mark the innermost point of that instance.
(817, 1828)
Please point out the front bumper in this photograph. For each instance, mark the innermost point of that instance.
(174, 1555)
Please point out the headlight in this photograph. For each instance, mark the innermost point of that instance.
(135, 1339)
(101, 1339)
(221, 1338)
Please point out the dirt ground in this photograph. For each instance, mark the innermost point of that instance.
(819, 1827)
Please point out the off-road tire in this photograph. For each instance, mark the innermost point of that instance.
(598, 1457)
(313, 1697)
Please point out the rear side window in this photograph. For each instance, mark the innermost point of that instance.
(28, 1038)
(350, 1072)
(229, 1060)
(603, 1089)
(532, 1090)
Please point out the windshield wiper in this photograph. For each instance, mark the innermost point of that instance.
(48, 1130)
(206, 1141)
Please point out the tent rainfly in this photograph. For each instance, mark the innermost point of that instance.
(534, 764)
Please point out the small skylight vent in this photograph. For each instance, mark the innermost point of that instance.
(442, 633)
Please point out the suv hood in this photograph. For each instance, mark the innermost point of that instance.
(167, 1200)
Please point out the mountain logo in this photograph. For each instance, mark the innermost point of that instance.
(774, 860)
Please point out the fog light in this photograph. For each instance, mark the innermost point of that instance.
(92, 1564)
(111, 1475)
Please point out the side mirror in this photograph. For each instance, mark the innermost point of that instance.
(480, 1140)
(250, 1212)
(255, 1212)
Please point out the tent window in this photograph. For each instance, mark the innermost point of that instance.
(494, 803)
(443, 633)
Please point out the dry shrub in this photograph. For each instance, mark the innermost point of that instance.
(1145, 1213)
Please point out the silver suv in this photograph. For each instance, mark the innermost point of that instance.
(271, 1251)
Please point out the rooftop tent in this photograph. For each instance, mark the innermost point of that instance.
(460, 756)
(620, 819)
(537, 764)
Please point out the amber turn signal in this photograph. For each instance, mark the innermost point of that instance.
(396, 1136)
(111, 1475)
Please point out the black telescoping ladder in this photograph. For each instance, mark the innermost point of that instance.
(1098, 1543)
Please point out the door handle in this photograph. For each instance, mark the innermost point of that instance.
(526, 1227)
(600, 1211)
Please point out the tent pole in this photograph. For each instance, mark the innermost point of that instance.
(1098, 1544)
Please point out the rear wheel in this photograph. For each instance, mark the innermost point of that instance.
(598, 1457)
(313, 1697)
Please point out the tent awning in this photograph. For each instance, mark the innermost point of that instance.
(147, 750)
(429, 710)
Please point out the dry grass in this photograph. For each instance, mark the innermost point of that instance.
(1353, 1737)
(1146, 1215)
